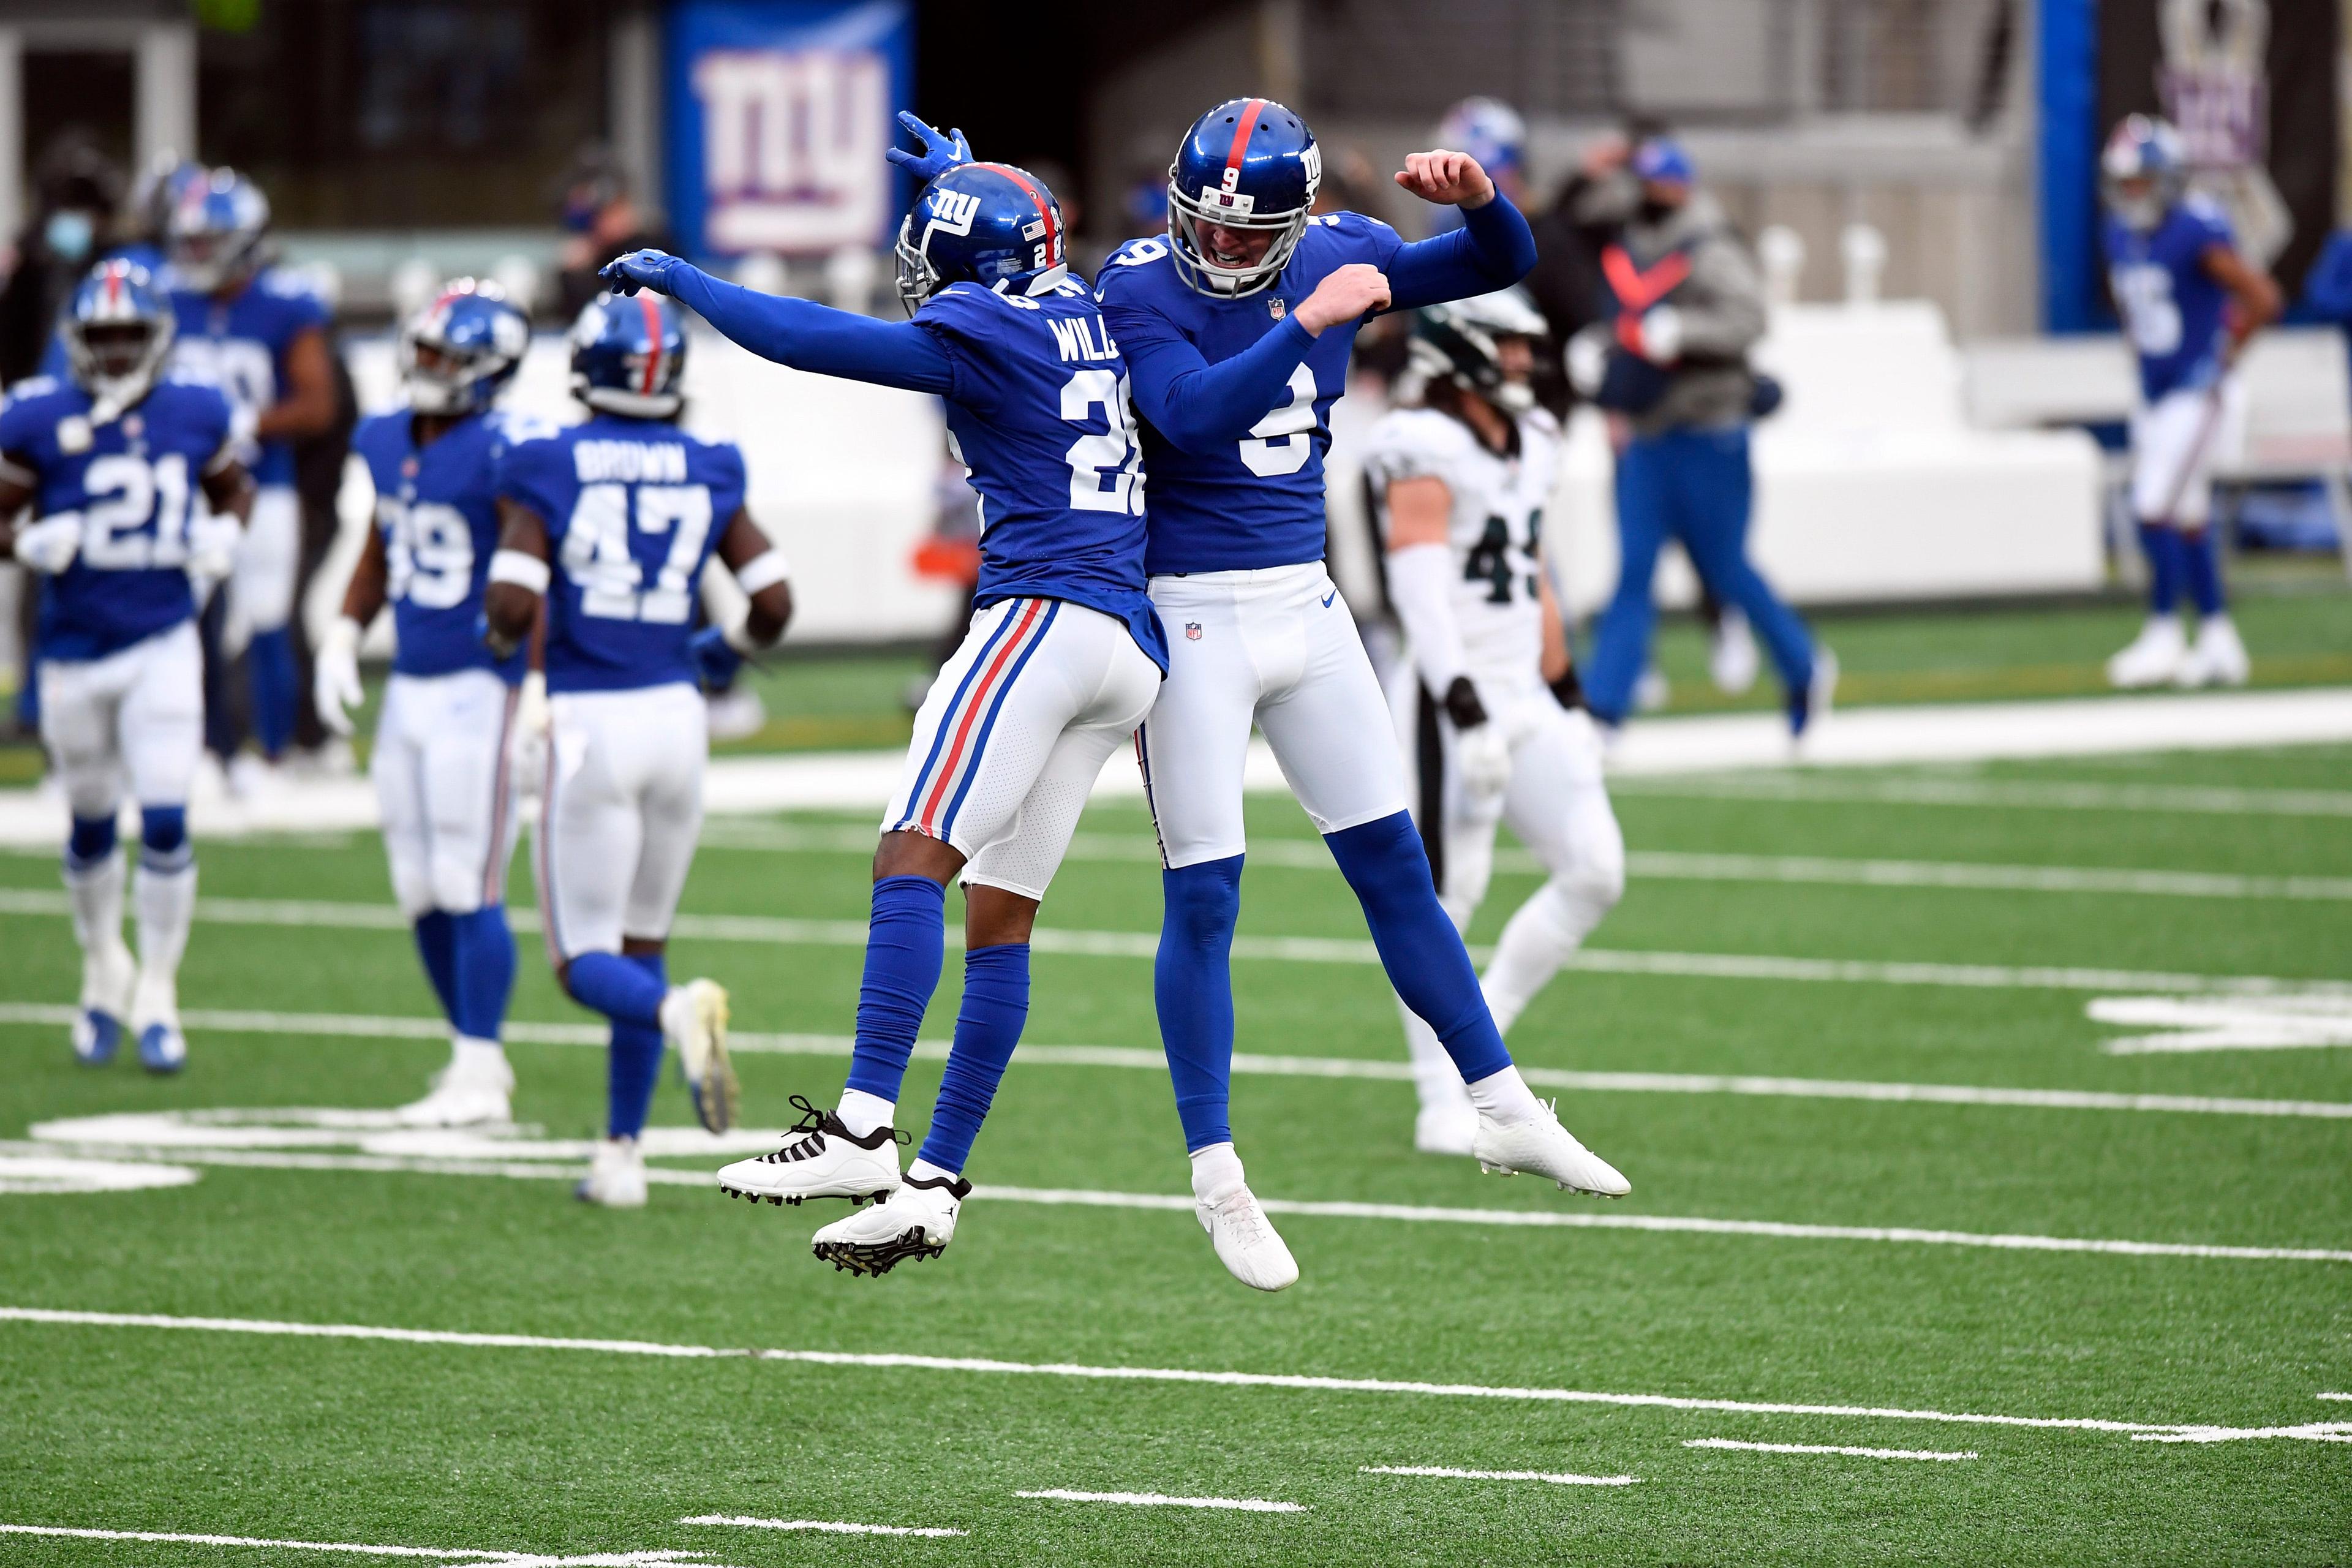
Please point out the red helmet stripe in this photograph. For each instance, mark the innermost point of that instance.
(1241, 134)
(654, 341)
(1045, 208)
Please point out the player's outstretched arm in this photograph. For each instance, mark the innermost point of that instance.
(519, 578)
(797, 332)
(1494, 248)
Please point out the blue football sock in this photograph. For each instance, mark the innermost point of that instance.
(2200, 560)
(1385, 864)
(620, 988)
(436, 944)
(2162, 545)
(904, 947)
(633, 1061)
(484, 971)
(270, 659)
(1192, 983)
(91, 841)
(988, 1026)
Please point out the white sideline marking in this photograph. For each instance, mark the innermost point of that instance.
(2198, 1023)
(829, 1527)
(2313, 1431)
(1074, 1370)
(25, 1175)
(1161, 1499)
(1555, 1478)
(362, 1025)
(2022, 793)
(162, 1537)
(1822, 1448)
(772, 931)
(2332, 1396)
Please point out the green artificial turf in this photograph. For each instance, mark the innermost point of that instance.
(581, 1452)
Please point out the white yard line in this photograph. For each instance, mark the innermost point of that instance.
(2313, 1431)
(2346, 1397)
(1351, 951)
(172, 1538)
(1143, 1059)
(822, 1526)
(1556, 1478)
(1296, 1381)
(1161, 1499)
(2025, 795)
(1825, 1448)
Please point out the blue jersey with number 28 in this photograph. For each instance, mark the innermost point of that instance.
(437, 507)
(2173, 310)
(134, 479)
(634, 509)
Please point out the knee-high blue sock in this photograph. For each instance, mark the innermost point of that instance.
(436, 944)
(2200, 561)
(2166, 564)
(622, 989)
(484, 971)
(91, 841)
(270, 657)
(633, 1062)
(988, 1026)
(1385, 864)
(1192, 983)
(904, 946)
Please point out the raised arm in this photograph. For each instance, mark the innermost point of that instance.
(797, 332)
(1494, 248)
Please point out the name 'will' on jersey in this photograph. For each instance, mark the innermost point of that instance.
(136, 482)
(633, 507)
(436, 507)
(2175, 313)
(1495, 528)
(1258, 503)
(1040, 413)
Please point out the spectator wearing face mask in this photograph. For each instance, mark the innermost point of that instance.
(76, 189)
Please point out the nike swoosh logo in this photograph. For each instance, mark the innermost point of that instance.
(1330, 596)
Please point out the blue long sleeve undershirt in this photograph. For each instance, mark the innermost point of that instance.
(812, 337)
(1494, 248)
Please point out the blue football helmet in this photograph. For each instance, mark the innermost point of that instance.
(458, 353)
(1249, 165)
(1488, 130)
(2144, 172)
(215, 233)
(118, 328)
(989, 223)
(159, 192)
(628, 356)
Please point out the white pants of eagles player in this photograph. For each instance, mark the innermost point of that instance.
(1558, 805)
(444, 786)
(1275, 646)
(622, 807)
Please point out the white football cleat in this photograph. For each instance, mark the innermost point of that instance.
(463, 1095)
(918, 1220)
(107, 978)
(2217, 656)
(1542, 1147)
(155, 1019)
(822, 1162)
(1446, 1127)
(1245, 1240)
(2153, 657)
(1731, 660)
(693, 1021)
(616, 1175)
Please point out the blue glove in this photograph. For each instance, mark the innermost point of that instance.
(940, 152)
(640, 269)
(717, 663)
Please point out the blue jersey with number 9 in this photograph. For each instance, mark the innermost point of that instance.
(437, 507)
(634, 509)
(133, 480)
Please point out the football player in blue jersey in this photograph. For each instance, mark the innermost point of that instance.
(1237, 327)
(2189, 298)
(1062, 658)
(261, 332)
(445, 780)
(111, 459)
(608, 525)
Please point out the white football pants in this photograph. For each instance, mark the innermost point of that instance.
(622, 807)
(135, 717)
(445, 790)
(2176, 443)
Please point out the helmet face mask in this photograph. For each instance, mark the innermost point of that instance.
(1246, 171)
(215, 231)
(1482, 346)
(118, 332)
(458, 353)
(2143, 173)
(628, 357)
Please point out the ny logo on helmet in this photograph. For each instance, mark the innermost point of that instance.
(953, 211)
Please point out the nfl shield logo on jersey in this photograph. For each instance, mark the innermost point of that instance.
(1191, 631)
(1276, 307)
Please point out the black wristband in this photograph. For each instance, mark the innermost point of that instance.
(1462, 704)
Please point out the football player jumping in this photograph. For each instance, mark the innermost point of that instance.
(445, 778)
(1459, 484)
(611, 522)
(1064, 656)
(1237, 326)
(111, 459)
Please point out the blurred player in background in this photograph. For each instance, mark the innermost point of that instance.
(1490, 131)
(610, 523)
(445, 780)
(601, 220)
(1237, 327)
(1686, 307)
(1062, 657)
(1459, 484)
(111, 459)
(2189, 298)
(261, 332)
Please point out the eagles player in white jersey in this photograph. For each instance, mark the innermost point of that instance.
(1459, 484)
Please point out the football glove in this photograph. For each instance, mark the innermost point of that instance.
(939, 153)
(50, 544)
(335, 689)
(715, 659)
(212, 545)
(640, 269)
(1481, 750)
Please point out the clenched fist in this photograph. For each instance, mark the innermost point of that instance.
(1346, 294)
(1448, 179)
